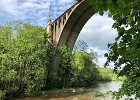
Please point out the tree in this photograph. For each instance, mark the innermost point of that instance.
(65, 66)
(85, 71)
(22, 58)
(125, 51)
(76, 68)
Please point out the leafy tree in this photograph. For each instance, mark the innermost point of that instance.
(126, 49)
(77, 68)
(22, 58)
(85, 72)
(65, 67)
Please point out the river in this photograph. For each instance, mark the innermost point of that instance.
(103, 87)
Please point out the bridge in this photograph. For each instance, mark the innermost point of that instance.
(66, 28)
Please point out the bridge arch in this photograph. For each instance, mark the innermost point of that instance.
(76, 21)
(66, 28)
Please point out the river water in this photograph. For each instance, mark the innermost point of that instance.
(103, 87)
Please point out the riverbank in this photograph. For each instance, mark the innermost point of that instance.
(53, 93)
(56, 90)
(107, 75)
(83, 95)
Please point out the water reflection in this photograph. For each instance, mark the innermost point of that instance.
(108, 86)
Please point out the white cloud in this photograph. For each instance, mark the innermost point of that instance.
(33, 11)
(97, 33)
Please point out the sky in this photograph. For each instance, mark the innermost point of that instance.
(97, 32)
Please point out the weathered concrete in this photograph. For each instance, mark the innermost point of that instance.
(67, 27)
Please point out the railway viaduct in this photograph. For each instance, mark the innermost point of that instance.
(66, 28)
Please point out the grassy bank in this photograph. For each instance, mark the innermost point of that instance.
(55, 91)
(107, 74)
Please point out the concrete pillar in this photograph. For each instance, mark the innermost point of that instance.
(54, 34)
(67, 15)
(57, 32)
(49, 28)
(62, 22)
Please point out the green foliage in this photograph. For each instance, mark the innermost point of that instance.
(126, 49)
(67, 90)
(2, 94)
(65, 67)
(107, 74)
(85, 71)
(77, 69)
(22, 58)
(103, 95)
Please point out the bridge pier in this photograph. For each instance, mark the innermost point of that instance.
(49, 32)
(53, 31)
(66, 28)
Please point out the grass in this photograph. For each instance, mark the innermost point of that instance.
(53, 91)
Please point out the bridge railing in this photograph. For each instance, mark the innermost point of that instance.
(67, 11)
(58, 24)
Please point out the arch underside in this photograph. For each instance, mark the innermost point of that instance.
(76, 21)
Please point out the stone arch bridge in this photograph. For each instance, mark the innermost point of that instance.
(66, 28)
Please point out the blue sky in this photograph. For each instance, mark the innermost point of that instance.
(97, 32)
(33, 11)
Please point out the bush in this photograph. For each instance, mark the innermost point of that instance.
(22, 58)
(85, 72)
(2, 94)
